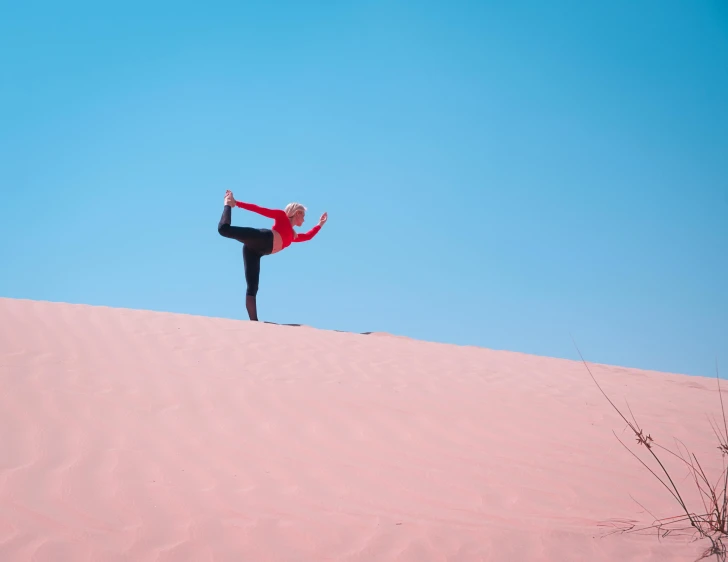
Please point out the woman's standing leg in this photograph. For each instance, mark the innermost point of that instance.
(257, 242)
(251, 260)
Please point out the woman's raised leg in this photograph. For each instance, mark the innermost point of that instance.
(243, 234)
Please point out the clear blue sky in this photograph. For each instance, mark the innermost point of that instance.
(502, 174)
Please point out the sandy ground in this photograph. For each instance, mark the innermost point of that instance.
(144, 436)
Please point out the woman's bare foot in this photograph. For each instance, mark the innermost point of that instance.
(229, 199)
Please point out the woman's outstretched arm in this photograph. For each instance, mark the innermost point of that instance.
(270, 213)
(305, 236)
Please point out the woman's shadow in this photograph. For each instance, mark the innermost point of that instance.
(343, 331)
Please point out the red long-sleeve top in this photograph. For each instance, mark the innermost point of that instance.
(282, 224)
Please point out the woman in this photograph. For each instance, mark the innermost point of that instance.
(259, 242)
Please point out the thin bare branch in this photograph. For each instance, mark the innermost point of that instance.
(711, 525)
(648, 468)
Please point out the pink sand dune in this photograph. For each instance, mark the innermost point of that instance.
(141, 436)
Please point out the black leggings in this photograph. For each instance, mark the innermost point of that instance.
(257, 242)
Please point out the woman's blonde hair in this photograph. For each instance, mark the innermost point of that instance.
(293, 208)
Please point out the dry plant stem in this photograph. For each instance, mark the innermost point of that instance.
(723, 442)
(713, 523)
(642, 440)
